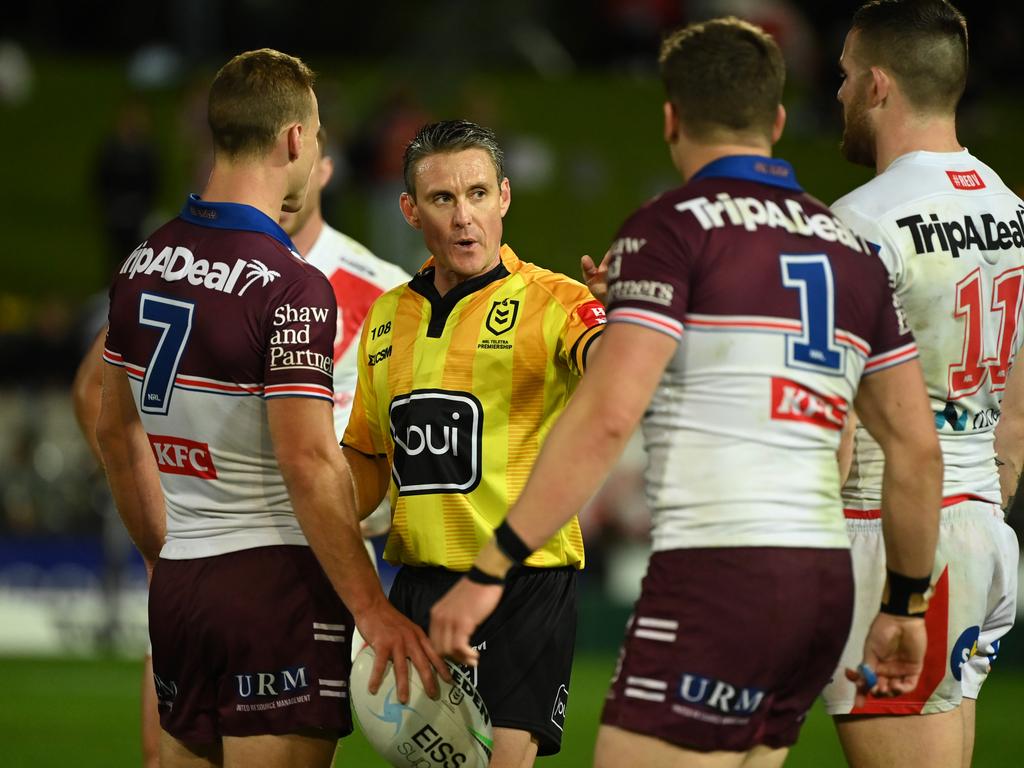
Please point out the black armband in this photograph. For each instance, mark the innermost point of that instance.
(482, 577)
(904, 596)
(508, 541)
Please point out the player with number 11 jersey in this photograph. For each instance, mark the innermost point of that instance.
(951, 235)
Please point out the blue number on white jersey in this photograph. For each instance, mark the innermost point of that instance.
(815, 348)
(174, 318)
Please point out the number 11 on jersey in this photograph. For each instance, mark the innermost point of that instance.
(976, 363)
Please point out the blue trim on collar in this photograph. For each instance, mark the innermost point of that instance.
(233, 216)
(765, 170)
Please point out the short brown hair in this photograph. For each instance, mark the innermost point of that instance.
(923, 43)
(724, 76)
(253, 96)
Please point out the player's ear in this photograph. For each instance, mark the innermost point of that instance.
(325, 170)
(671, 131)
(408, 205)
(881, 86)
(505, 193)
(780, 123)
(294, 139)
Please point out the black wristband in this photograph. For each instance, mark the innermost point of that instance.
(508, 541)
(904, 596)
(482, 577)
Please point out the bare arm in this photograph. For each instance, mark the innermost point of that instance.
(371, 476)
(321, 489)
(1010, 436)
(601, 415)
(893, 405)
(86, 392)
(131, 469)
(87, 397)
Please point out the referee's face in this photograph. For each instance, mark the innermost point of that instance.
(459, 205)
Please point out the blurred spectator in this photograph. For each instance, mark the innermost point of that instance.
(41, 348)
(375, 155)
(636, 27)
(126, 179)
(194, 133)
(16, 78)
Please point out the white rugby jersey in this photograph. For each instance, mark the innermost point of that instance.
(951, 235)
(358, 278)
(780, 310)
(210, 317)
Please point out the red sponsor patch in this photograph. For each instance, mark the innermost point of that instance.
(795, 402)
(965, 179)
(178, 456)
(592, 313)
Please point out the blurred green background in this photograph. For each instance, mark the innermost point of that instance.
(598, 137)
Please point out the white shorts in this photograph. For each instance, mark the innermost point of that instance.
(973, 606)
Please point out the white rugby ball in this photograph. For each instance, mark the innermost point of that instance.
(452, 732)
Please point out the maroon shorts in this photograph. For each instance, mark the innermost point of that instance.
(248, 643)
(727, 648)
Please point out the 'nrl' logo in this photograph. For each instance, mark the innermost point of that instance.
(502, 316)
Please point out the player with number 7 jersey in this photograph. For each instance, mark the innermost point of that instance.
(211, 317)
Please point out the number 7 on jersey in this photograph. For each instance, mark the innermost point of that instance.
(174, 319)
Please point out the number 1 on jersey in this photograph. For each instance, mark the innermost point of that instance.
(967, 376)
(815, 348)
(174, 319)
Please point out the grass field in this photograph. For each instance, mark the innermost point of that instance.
(83, 713)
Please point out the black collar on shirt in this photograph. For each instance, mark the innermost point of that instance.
(442, 306)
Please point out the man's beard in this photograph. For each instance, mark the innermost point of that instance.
(858, 144)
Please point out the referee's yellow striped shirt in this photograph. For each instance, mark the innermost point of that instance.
(459, 393)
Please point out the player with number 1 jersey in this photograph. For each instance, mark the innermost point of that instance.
(779, 310)
(951, 235)
(783, 313)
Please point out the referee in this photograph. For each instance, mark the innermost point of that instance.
(462, 373)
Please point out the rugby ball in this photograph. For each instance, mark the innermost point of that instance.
(452, 732)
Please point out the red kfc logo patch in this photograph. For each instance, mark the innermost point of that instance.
(178, 456)
(966, 179)
(592, 313)
(795, 402)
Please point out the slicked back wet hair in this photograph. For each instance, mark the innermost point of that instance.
(450, 136)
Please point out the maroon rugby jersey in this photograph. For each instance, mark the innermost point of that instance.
(214, 314)
(784, 308)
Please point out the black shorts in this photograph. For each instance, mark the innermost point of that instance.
(728, 647)
(248, 643)
(526, 645)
